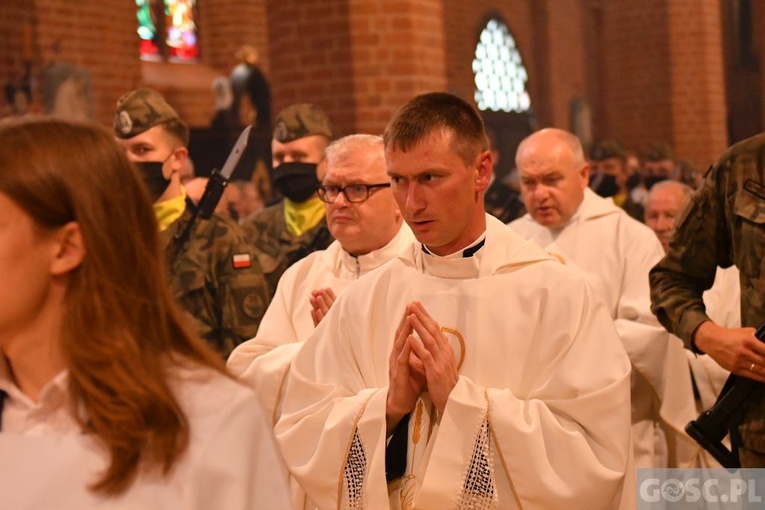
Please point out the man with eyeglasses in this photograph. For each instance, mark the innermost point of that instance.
(365, 221)
(292, 228)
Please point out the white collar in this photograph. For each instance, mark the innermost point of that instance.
(52, 394)
(505, 251)
(338, 259)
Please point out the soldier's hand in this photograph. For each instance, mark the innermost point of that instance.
(735, 349)
(321, 300)
(436, 354)
(406, 378)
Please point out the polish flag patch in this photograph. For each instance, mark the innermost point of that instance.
(242, 260)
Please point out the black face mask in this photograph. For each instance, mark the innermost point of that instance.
(153, 178)
(633, 181)
(296, 181)
(650, 180)
(607, 186)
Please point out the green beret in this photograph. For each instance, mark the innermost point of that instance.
(140, 110)
(301, 120)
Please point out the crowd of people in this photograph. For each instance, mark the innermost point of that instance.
(374, 338)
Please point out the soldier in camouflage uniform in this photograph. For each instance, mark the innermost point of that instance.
(724, 224)
(214, 274)
(294, 227)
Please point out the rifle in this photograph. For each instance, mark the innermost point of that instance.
(216, 184)
(713, 425)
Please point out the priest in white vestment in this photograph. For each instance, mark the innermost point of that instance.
(368, 229)
(664, 204)
(615, 253)
(471, 371)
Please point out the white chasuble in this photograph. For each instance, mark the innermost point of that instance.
(264, 361)
(615, 253)
(540, 415)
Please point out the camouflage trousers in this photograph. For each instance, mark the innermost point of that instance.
(752, 450)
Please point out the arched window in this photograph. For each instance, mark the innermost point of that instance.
(167, 29)
(500, 78)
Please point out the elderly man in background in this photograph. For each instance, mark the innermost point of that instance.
(294, 227)
(615, 252)
(369, 230)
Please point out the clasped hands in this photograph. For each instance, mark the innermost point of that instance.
(418, 365)
(321, 301)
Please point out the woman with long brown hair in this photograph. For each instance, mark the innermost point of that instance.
(107, 398)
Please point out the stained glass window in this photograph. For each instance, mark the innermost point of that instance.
(500, 77)
(167, 29)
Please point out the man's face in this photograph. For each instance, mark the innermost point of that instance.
(362, 227)
(611, 166)
(309, 149)
(440, 196)
(552, 181)
(153, 145)
(159, 146)
(661, 209)
(663, 168)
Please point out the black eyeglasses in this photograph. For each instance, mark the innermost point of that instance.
(353, 192)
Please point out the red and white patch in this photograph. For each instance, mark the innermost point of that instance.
(242, 260)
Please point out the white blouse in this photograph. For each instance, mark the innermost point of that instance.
(232, 461)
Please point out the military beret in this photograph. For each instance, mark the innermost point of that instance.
(301, 120)
(140, 110)
(605, 149)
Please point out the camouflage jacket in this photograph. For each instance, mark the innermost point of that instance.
(276, 247)
(723, 224)
(217, 280)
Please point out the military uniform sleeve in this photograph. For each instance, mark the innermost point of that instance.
(701, 243)
(241, 290)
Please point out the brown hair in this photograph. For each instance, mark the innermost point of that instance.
(433, 112)
(122, 333)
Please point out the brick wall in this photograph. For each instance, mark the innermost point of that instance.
(663, 74)
(311, 57)
(565, 59)
(226, 25)
(16, 18)
(397, 53)
(697, 86)
(745, 71)
(96, 36)
(100, 37)
(636, 63)
(636, 100)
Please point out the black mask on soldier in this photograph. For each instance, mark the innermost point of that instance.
(633, 181)
(650, 180)
(607, 186)
(296, 181)
(153, 178)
